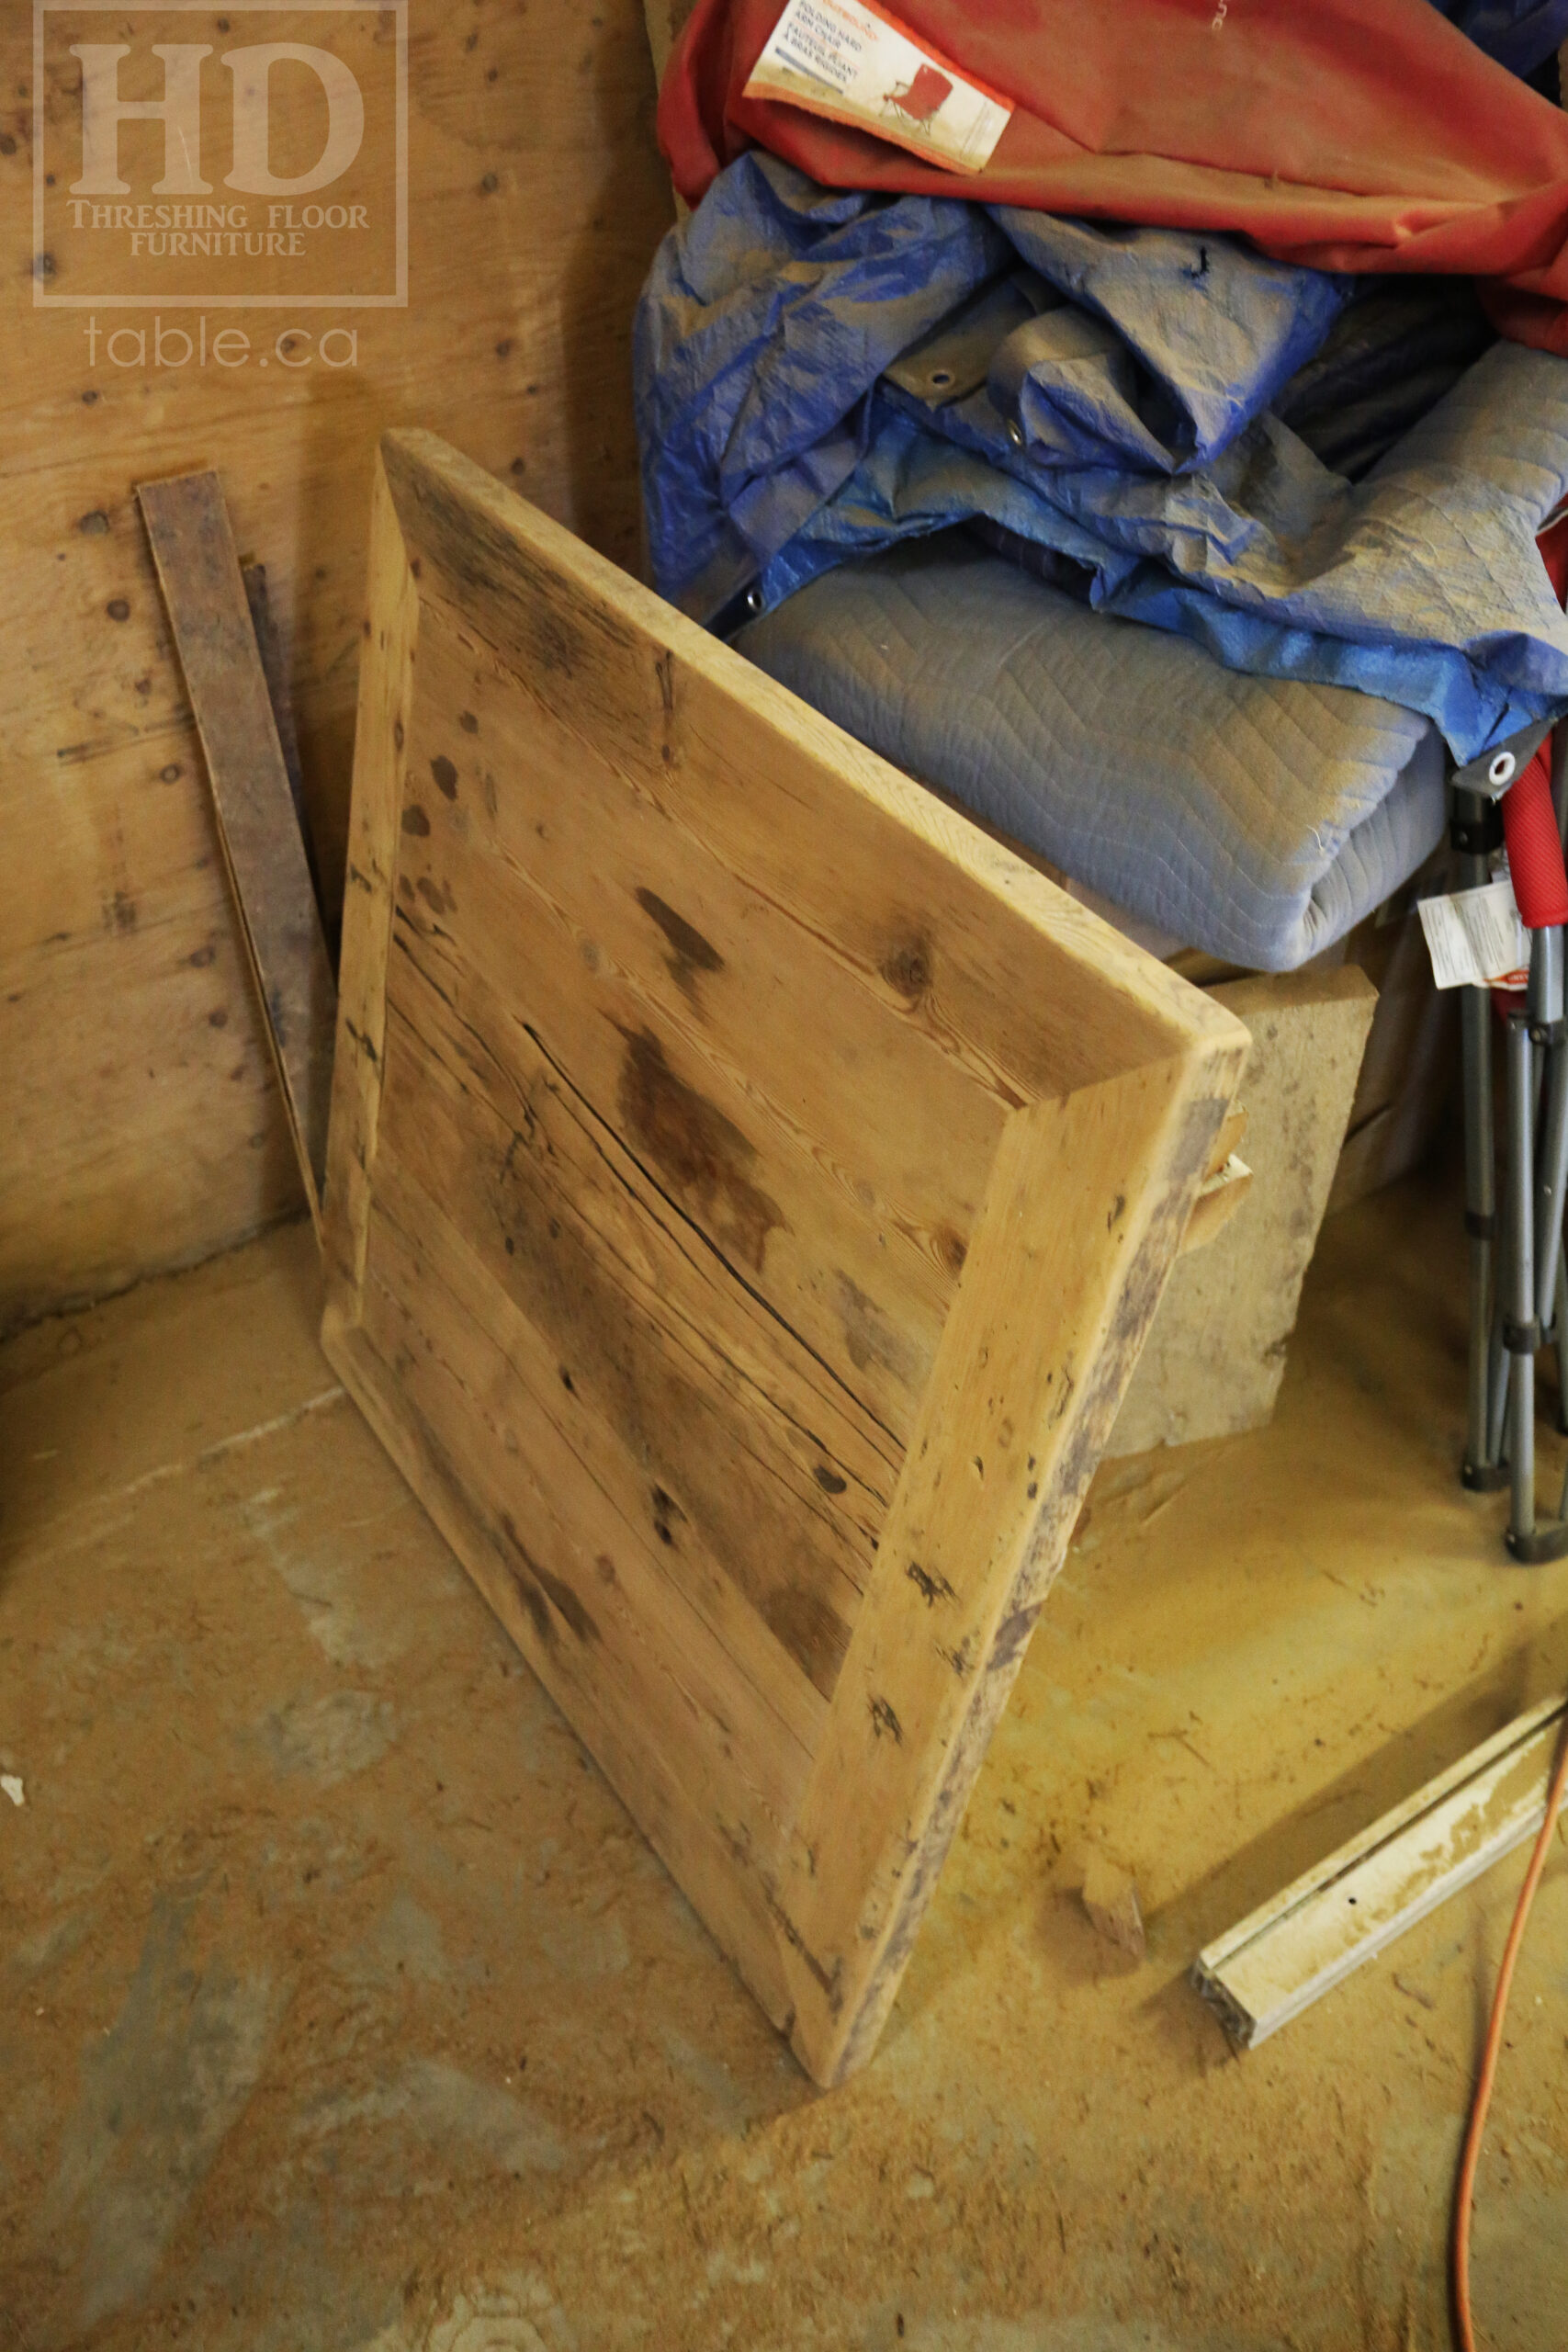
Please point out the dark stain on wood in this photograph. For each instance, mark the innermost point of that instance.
(806, 1626)
(872, 1339)
(690, 952)
(445, 775)
(664, 671)
(952, 1248)
(1012, 1637)
(468, 722)
(883, 1719)
(478, 553)
(536, 1587)
(362, 1042)
(533, 1600)
(513, 1183)
(931, 1588)
(437, 895)
(569, 1605)
(415, 821)
(829, 1980)
(907, 969)
(699, 1152)
(740, 1518)
(665, 1510)
(829, 1480)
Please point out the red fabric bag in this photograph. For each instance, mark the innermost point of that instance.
(1345, 134)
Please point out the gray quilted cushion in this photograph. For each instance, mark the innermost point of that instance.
(1257, 818)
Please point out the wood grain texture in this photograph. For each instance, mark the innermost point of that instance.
(258, 825)
(1410, 1071)
(536, 198)
(1219, 1197)
(386, 704)
(280, 694)
(749, 1189)
(1216, 1354)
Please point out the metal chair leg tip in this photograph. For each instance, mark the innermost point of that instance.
(1545, 1543)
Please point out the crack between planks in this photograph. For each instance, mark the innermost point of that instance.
(801, 1494)
(691, 1225)
(478, 1510)
(592, 1120)
(944, 1037)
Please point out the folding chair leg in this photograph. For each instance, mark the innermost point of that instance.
(1483, 1469)
(1521, 1332)
(1551, 1189)
(1539, 1021)
(1476, 828)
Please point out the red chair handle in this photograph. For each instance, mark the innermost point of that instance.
(1535, 846)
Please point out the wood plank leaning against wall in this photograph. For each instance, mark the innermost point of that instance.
(143, 1127)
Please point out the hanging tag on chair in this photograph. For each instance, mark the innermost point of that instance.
(1475, 938)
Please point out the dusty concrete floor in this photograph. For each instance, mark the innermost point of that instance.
(342, 2008)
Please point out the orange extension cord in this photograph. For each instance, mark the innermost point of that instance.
(1489, 2056)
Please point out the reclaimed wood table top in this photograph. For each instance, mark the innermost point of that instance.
(748, 1188)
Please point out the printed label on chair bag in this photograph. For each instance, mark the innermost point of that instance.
(850, 63)
(1475, 938)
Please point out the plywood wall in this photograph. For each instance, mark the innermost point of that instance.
(140, 1124)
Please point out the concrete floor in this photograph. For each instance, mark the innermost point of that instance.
(342, 2009)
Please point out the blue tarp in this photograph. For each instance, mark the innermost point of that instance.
(1520, 34)
(1115, 397)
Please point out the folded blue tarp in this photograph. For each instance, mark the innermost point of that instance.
(822, 374)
